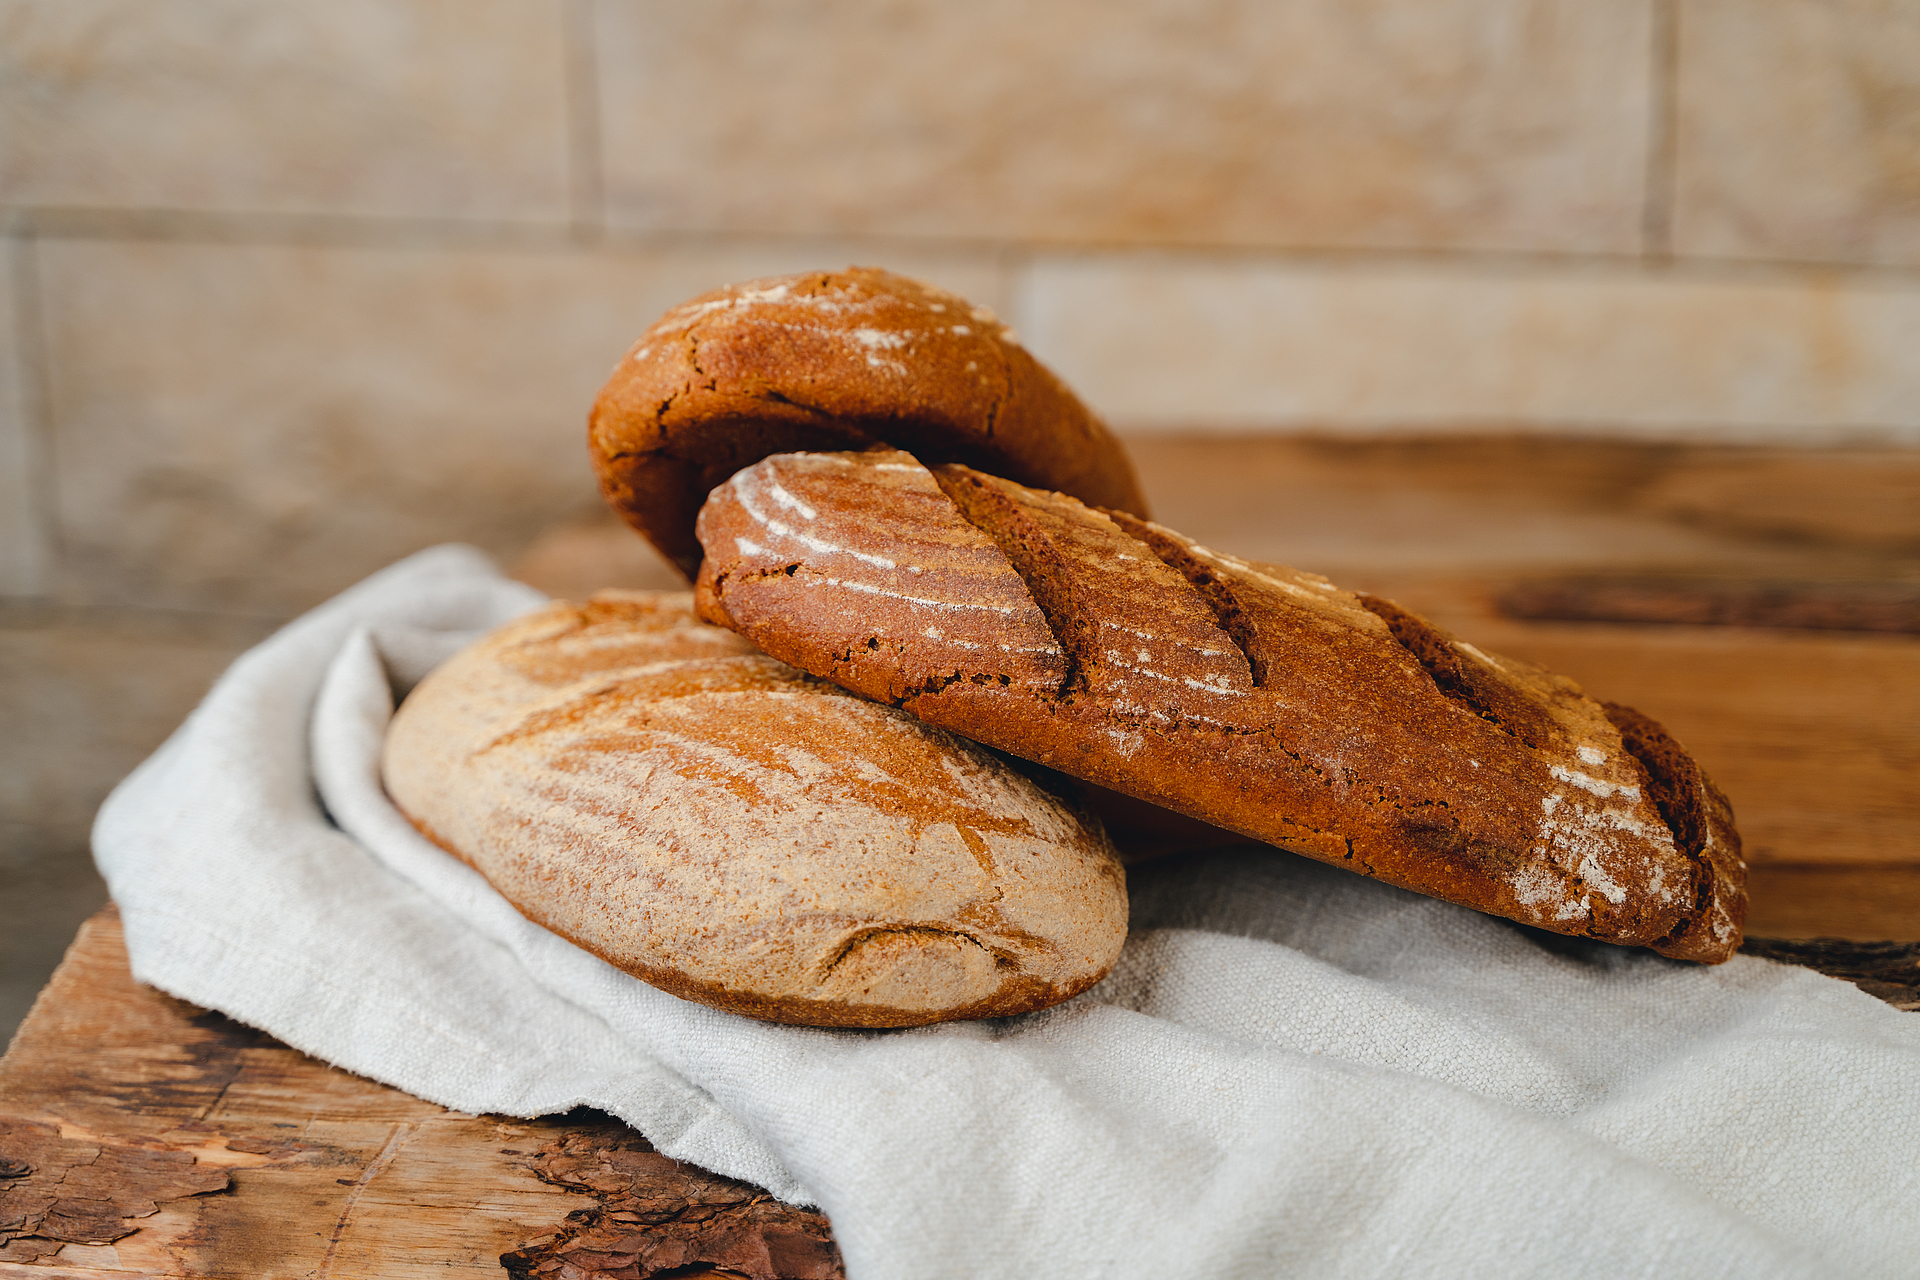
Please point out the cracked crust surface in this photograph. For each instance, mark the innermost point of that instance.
(1253, 697)
(834, 360)
(738, 833)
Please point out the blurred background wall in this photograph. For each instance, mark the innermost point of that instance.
(291, 289)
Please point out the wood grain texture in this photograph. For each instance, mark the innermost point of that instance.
(1824, 606)
(159, 1139)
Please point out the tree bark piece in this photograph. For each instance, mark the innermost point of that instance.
(655, 1215)
(59, 1191)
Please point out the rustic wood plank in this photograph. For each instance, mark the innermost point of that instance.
(1725, 602)
(205, 1149)
(1875, 901)
(155, 1138)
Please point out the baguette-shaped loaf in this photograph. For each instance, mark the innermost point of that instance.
(737, 833)
(1253, 697)
(834, 360)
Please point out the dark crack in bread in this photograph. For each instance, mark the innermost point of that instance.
(834, 360)
(744, 835)
(1253, 697)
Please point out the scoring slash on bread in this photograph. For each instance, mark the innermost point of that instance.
(740, 834)
(1253, 697)
(834, 360)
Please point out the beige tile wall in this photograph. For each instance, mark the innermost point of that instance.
(424, 107)
(1506, 124)
(243, 426)
(1431, 344)
(24, 546)
(1799, 130)
(308, 285)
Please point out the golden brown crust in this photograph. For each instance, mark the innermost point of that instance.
(1701, 819)
(834, 360)
(1253, 697)
(740, 834)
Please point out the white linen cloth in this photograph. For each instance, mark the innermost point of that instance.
(1293, 1071)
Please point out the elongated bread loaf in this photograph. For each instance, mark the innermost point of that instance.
(834, 360)
(737, 833)
(1254, 697)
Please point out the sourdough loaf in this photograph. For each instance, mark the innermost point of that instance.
(738, 833)
(834, 360)
(1253, 697)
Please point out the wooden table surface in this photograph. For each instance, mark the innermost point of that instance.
(141, 1135)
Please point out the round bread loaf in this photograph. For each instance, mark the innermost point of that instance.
(834, 360)
(744, 835)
